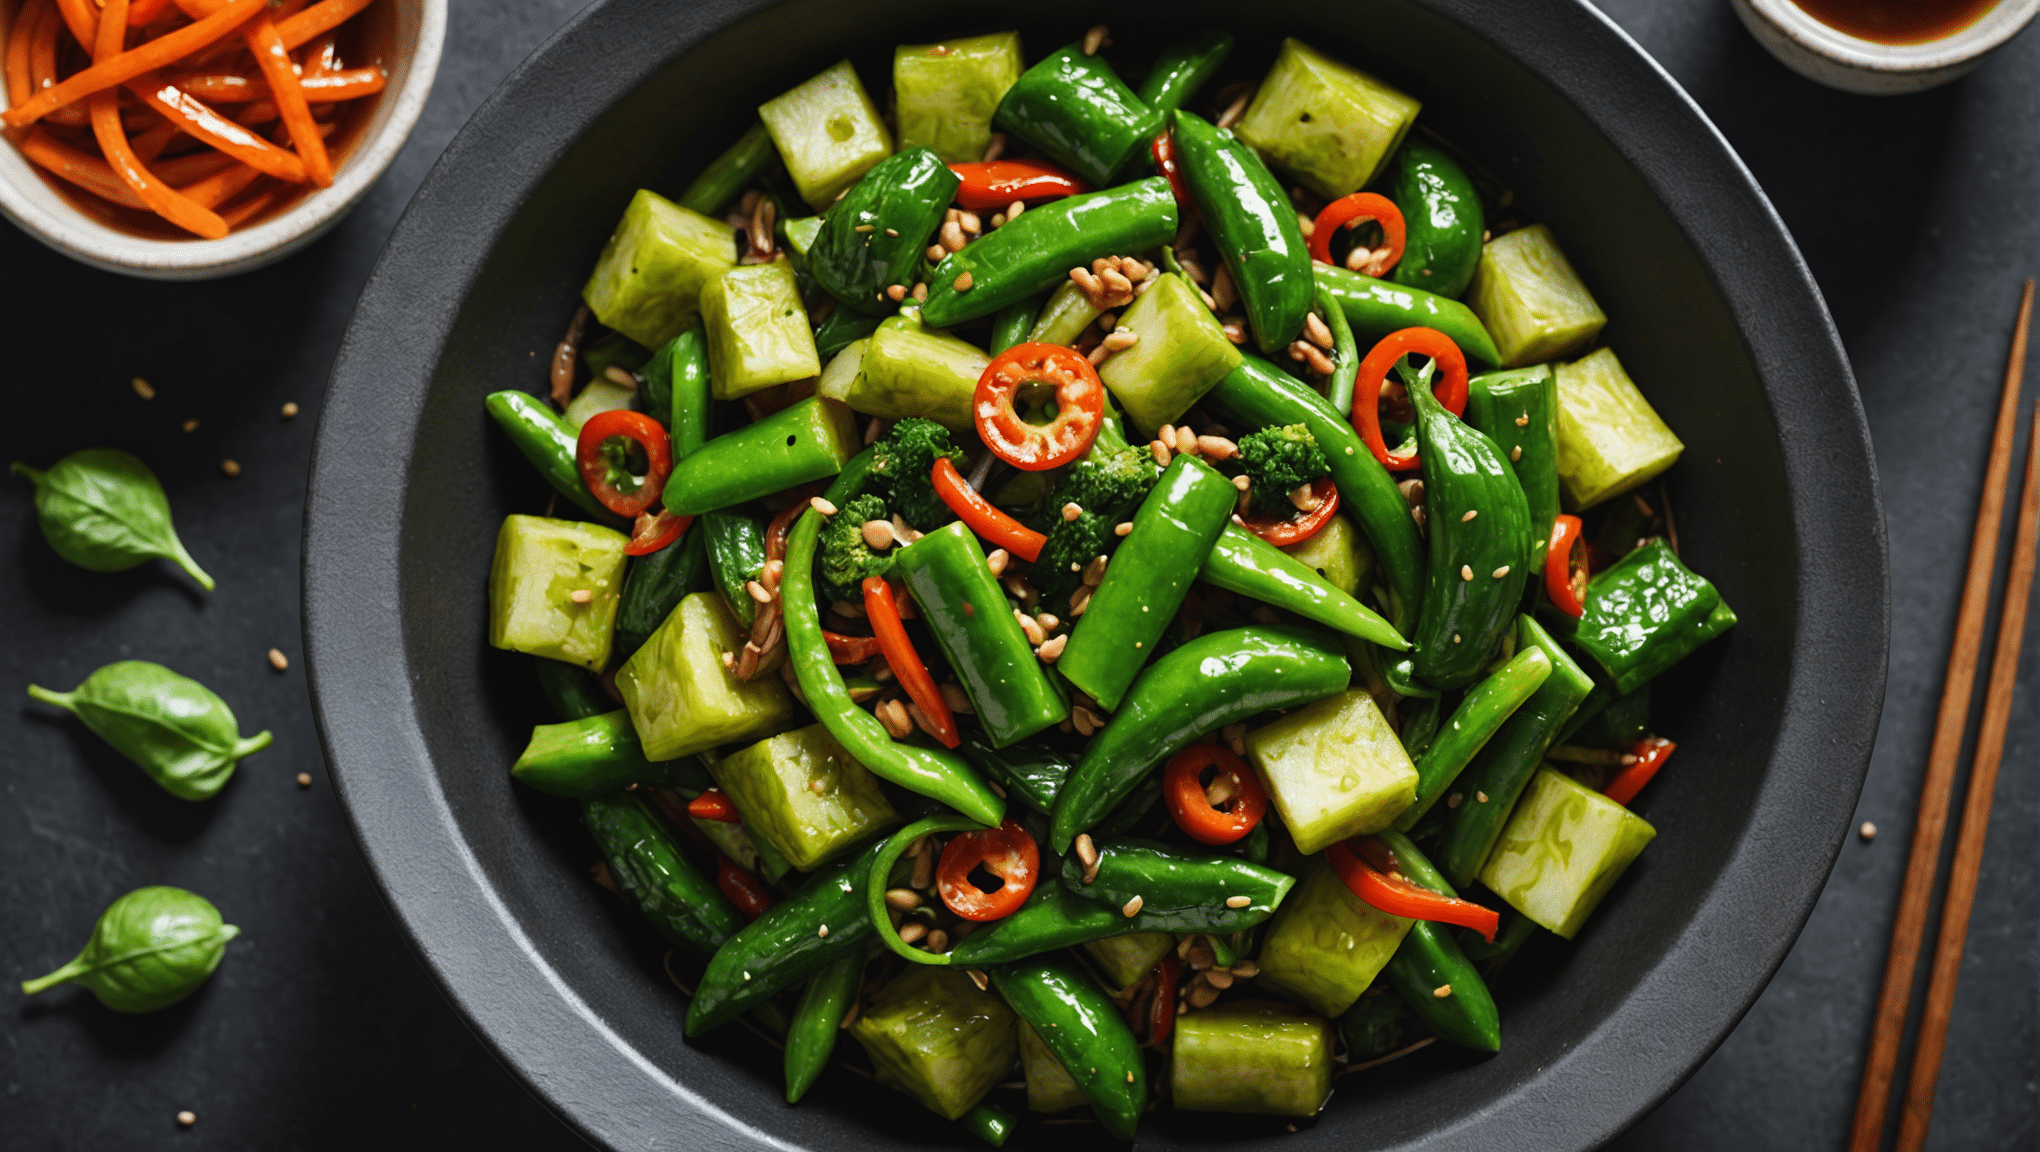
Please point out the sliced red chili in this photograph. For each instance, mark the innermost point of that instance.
(891, 633)
(1164, 152)
(979, 515)
(714, 805)
(1352, 210)
(1079, 405)
(1162, 1010)
(602, 460)
(1450, 389)
(1565, 567)
(1368, 869)
(743, 889)
(655, 530)
(994, 184)
(1006, 852)
(850, 649)
(1302, 526)
(1651, 752)
(1244, 803)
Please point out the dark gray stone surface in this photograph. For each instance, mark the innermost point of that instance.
(322, 1030)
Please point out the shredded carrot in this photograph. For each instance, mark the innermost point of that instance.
(182, 170)
(324, 16)
(221, 186)
(150, 144)
(80, 168)
(143, 13)
(83, 20)
(202, 122)
(322, 57)
(18, 37)
(105, 108)
(248, 209)
(260, 112)
(281, 72)
(121, 67)
(320, 87)
(42, 66)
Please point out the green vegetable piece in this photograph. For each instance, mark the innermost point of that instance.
(1482, 712)
(150, 949)
(733, 841)
(933, 1034)
(655, 584)
(906, 369)
(1531, 300)
(1244, 563)
(172, 727)
(810, 440)
(539, 565)
(1183, 68)
(647, 283)
(1646, 614)
(1339, 553)
(839, 332)
(1518, 409)
(1252, 1056)
(991, 1124)
(569, 691)
(875, 235)
(651, 872)
(1031, 773)
(1107, 483)
(963, 606)
(803, 793)
(801, 234)
(847, 557)
(902, 465)
(1127, 957)
(1063, 1009)
(682, 699)
(1620, 722)
(1326, 123)
(1325, 946)
(944, 94)
(1443, 217)
(1068, 312)
(593, 757)
(597, 396)
(736, 556)
(1334, 769)
(1077, 110)
(1376, 1026)
(1431, 973)
(811, 1038)
(1013, 323)
(1179, 891)
(1278, 461)
(1182, 352)
(719, 183)
(1565, 846)
(1255, 226)
(104, 511)
(758, 333)
(1050, 1087)
(1610, 439)
(1376, 308)
(828, 133)
(545, 439)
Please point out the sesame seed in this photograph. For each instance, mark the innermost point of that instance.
(190, 425)
(1466, 571)
(1522, 420)
(187, 1118)
(822, 506)
(1453, 801)
(230, 467)
(865, 228)
(896, 293)
(278, 660)
(290, 410)
(142, 388)
(824, 931)
(1132, 908)
(1442, 991)
(1868, 831)
(1072, 510)
(978, 978)
(304, 779)
(1516, 453)
(1455, 637)
(1238, 901)
(962, 282)
(1501, 572)
(1129, 1076)
(1122, 528)
(1095, 39)
(1480, 796)
(1470, 514)
(582, 596)
(893, 232)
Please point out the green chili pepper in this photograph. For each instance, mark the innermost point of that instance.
(1244, 563)
(822, 922)
(879, 869)
(1032, 773)
(1254, 225)
(1517, 930)
(1420, 731)
(1617, 721)
(990, 1123)
(1501, 771)
(1081, 1025)
(1480, 523)
(962, 605)
(655, 585)
(570, 691)
(1376, 307)
(875, 235)
(736, 556)
(1013, 323)
(172, 727)
(719, 183)
(1486, 707)
(1182, 69)
(1076, 109)
(1055, 917)
(1345, 353)
(680, 373)
(1178, 521)
(1036, 251)
(1647, 613)
(1216, 679)
(549, 443)
(1258, 395)
(596, 756)
(1179, 891)
(807, 441)
(104, 511)
(842, 329)
(1432, 974)
(1065, 314)
(1518, 410)
(811, 1037)
(649, 869)
(150, 949)
(1375, 1025)
(1442, 220)
(932, 772)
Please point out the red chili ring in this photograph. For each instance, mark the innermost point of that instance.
(1079, 402)
(1296, 529)
(1351, 210)
(1450, 391)
(1183, 788)
(595, 466)
(1007, 852)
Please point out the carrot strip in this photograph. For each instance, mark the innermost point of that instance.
(142, 13)
(202, 122)
(42, 66)
(83, 20)
(119, 68)
(182, 170)
(281, 72)
(26, 20)
(151, 143)
(80, 168)
(105, 108)
(247, 209)
(324, 16)
(283, 9)
(220, 187)
(320, 87)
(322, 57)
(260, 112)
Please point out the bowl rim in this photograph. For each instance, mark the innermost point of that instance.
(1972, 42)
(365, 692)
(90, 242)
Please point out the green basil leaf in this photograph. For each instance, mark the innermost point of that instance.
(173, 727)
(102, 509)
(150, 949)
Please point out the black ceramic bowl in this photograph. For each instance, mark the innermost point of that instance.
(1711, 310)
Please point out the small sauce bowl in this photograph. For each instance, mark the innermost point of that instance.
(1837, 59)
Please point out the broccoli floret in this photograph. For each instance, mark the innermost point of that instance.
(846, 558)
(1106, 486)
(1277, 461)
(904, 459)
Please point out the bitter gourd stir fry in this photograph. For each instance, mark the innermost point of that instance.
(1126, 583)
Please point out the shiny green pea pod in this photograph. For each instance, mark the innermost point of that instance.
(842, 329)
(1013, 323)
(875, 235)
(656, 584)
(1077, 110)
(1377, 307)
(1432, 974)
(1183, 68)
(595, 756)
(735, 543)
(1030, 773)
(719, 183)
(1244, 563)
(1518, 410)
(1481, 713)
(646, 863)
(570, 691)
(1055, 917)
(1081, 1025)
(1442, 219)
(1036, 251)
(1177, 891)
(811, 1036)
(681, 370)
(1254, 225)
(809, 441)
(546, 440)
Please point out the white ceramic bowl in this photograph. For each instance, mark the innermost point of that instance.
(26, 199)
(1839, 60)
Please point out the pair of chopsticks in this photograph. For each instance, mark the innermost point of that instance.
(1895, 998)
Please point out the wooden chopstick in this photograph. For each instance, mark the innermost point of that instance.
(1931, 823)
(1962, 873)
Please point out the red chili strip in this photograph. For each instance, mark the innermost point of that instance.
(906, 665)
(1651, 752)
(995, 184)
(1079, 404)
(1298, 528)
(1450, 388)
(1164, 152)
(743, 889)
(979, 515)
(592, 454)
(1376, 882)
(1190, 803)
(655, 530)
(714, 805)
(850, 649)
(1565, 567)
(1352, 210)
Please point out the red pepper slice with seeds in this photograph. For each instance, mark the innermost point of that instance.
(978, 514)
(1302, 526)
(1189, 801)
(1006, 852)
(655, 530)
(1565, 566)
(1651, 752)
(1368, 869)
(1450, 389)
(995, 184)
(891, 633)
(600, 453)
(1031, 368)
(1352, 210)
